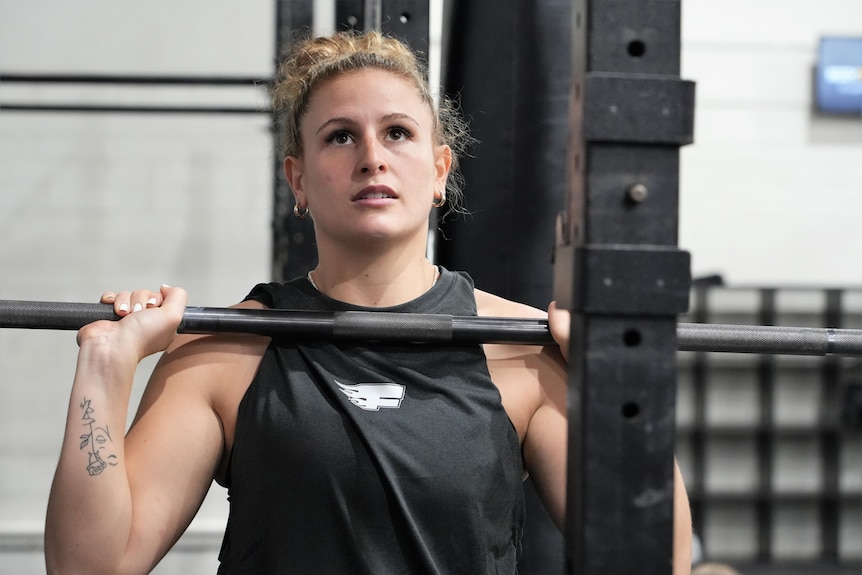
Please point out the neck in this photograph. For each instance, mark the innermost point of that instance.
(379, 281)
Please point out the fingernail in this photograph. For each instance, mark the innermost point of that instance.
(151, 301)
(165, 285)
(138, 307)
(124, 307)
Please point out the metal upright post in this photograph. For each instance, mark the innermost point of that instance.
(618, 268)
(293, 251)
(408, 20)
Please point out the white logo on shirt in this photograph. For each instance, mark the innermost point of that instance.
(373, 396)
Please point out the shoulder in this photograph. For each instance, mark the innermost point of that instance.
(488, 304)
(209, 360)
(198, 349)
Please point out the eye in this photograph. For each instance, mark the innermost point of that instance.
(339, 137)
(399, 133)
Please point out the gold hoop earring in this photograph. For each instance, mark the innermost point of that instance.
(300, 213)
(440, 203)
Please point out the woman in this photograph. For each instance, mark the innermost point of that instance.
(339, 458)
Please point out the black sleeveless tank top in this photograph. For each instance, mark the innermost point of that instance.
(373, 459)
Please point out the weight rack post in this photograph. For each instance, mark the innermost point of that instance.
(618, 268)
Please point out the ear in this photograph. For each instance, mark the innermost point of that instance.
(293, 171)
(442, 165)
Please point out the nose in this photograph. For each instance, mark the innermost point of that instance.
(372, 158)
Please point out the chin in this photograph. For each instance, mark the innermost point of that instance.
(381, 230)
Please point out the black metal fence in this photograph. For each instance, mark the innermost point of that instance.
(771, 446)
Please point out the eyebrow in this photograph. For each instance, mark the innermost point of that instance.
(386, 118)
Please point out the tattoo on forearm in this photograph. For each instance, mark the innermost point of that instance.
(99, 441)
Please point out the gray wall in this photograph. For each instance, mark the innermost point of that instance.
(770, 192)
(90, 202)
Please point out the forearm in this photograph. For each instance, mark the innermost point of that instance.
(90, 506)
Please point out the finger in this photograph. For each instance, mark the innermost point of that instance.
(107, 297)
(143, 298)
(121, 303)
(155, 300)
(128, 302)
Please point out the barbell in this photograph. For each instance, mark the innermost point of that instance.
(431, 328)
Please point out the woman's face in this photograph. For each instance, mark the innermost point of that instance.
(370, 168)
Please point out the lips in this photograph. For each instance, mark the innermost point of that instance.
(376, 192)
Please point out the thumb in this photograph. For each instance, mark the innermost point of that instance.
(560, 323)
(174, 303)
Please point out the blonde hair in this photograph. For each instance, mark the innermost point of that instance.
(313, 60)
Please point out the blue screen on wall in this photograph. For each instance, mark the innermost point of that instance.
(839, 75)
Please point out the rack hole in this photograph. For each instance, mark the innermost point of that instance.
(636, 48)
(631, 410)
(404, 18)
(632, 337)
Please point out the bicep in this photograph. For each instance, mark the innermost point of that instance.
(547, 437)
(534, 389)
(172, 450)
